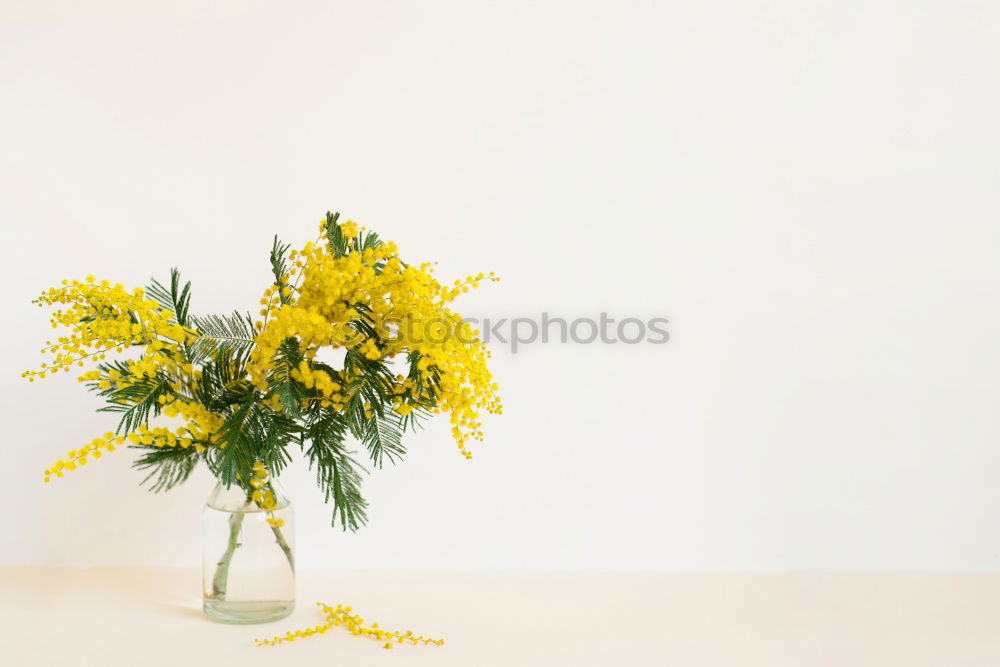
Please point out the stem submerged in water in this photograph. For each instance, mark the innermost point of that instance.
(221, 579)
(280, 539)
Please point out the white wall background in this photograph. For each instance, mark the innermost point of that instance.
(808, 190)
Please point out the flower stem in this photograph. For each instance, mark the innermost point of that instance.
(221, 578)
(280, 539)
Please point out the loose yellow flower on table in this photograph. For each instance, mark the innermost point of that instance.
(353, 623)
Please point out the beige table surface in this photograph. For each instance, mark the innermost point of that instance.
(129, 616)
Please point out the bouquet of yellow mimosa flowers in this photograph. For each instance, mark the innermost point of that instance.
(350, 343)
(244, 388)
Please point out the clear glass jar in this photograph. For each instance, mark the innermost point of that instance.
(248, 561)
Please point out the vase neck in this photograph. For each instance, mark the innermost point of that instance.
(234, 497)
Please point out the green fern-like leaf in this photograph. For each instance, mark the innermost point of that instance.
(279, 267)
(280, 381)
(382, 436)
(337, 473)
(218, 334)
(176, 299)
(136, 400)
(167, 466)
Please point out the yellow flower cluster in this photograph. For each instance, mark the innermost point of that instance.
(103, 318)
(323, 295)
(76, 457)
(262, 494)
(143, 435)
(353, 623)
(202, 423)
(317, 378)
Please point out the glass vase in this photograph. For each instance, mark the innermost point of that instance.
(248, 561)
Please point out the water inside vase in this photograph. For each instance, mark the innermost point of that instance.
(248, 569)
